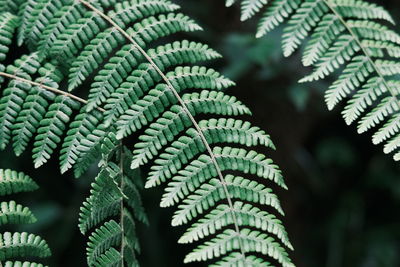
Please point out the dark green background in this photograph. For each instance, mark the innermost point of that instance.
(342, 207)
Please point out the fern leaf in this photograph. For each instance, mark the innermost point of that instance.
(228, 240)
(125, 59)
(181, 77)
(353, 34)
(111, 258)
(276, 14)
(112, 194)
(322, 38)
(387, 107)
(13, 213)
(221, 131)
(63, 17)
(222, 216)
(251, 7)
(361, 10)
(143, 112)
(353, 76)
(8, 24)
(137, 84)
(76, 35)
(103, 202)
(89, 149)
(364, 98)
(51, 128)
(36, 17)
(227, 158)
(12, 6)
(22, 244)
(307, 16)
(378, 49)
(13, 96)
(79, 128)
(340, 52)
(213, 191)
(103, 44)
(164, 130)
(236, 259)
(12, 182)
(22, 264)
(392, 145)
(26, 13)
(16, 244)
(388, 130)
(374, 31)
(34, 108)
(103, 238)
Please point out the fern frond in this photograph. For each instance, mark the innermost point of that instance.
(13, 245)
(112, 193)
(34, 108)
(103, 44)
(197, 195)
(143, 111)
(300, 24)
(128, 57)
(12, 6)
(143, 84)
(8, 25)
(221, 216)
(141, 80)
(173, 23)
(22, 244)
(235, 259)
(36, 16)
(51, 128)
(250, 7)
(63, 17)
(228, 240)
(79, 128)
(105, 194)
(88, 150)
(353, 35)
(14, 95)
(12, 182)
(13, 213)
(164, 130)
(361, 10)
(22, 264)
(103, 238)
(276, 14)
(228, 158)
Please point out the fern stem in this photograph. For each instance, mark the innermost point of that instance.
(191, 117)
(121, 166)
(364, 51)
(52, 89)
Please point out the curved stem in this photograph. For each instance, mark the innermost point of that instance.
(122, 186)
(52, 89)
(182, 103)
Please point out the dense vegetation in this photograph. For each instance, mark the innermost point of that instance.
(128, 113)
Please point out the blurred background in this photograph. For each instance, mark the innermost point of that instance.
(342, 207)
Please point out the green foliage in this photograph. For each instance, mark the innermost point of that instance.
(18, 244)
(114, 194)
(12, 182)
(146, 87)
(8, 23)
(351, 37)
